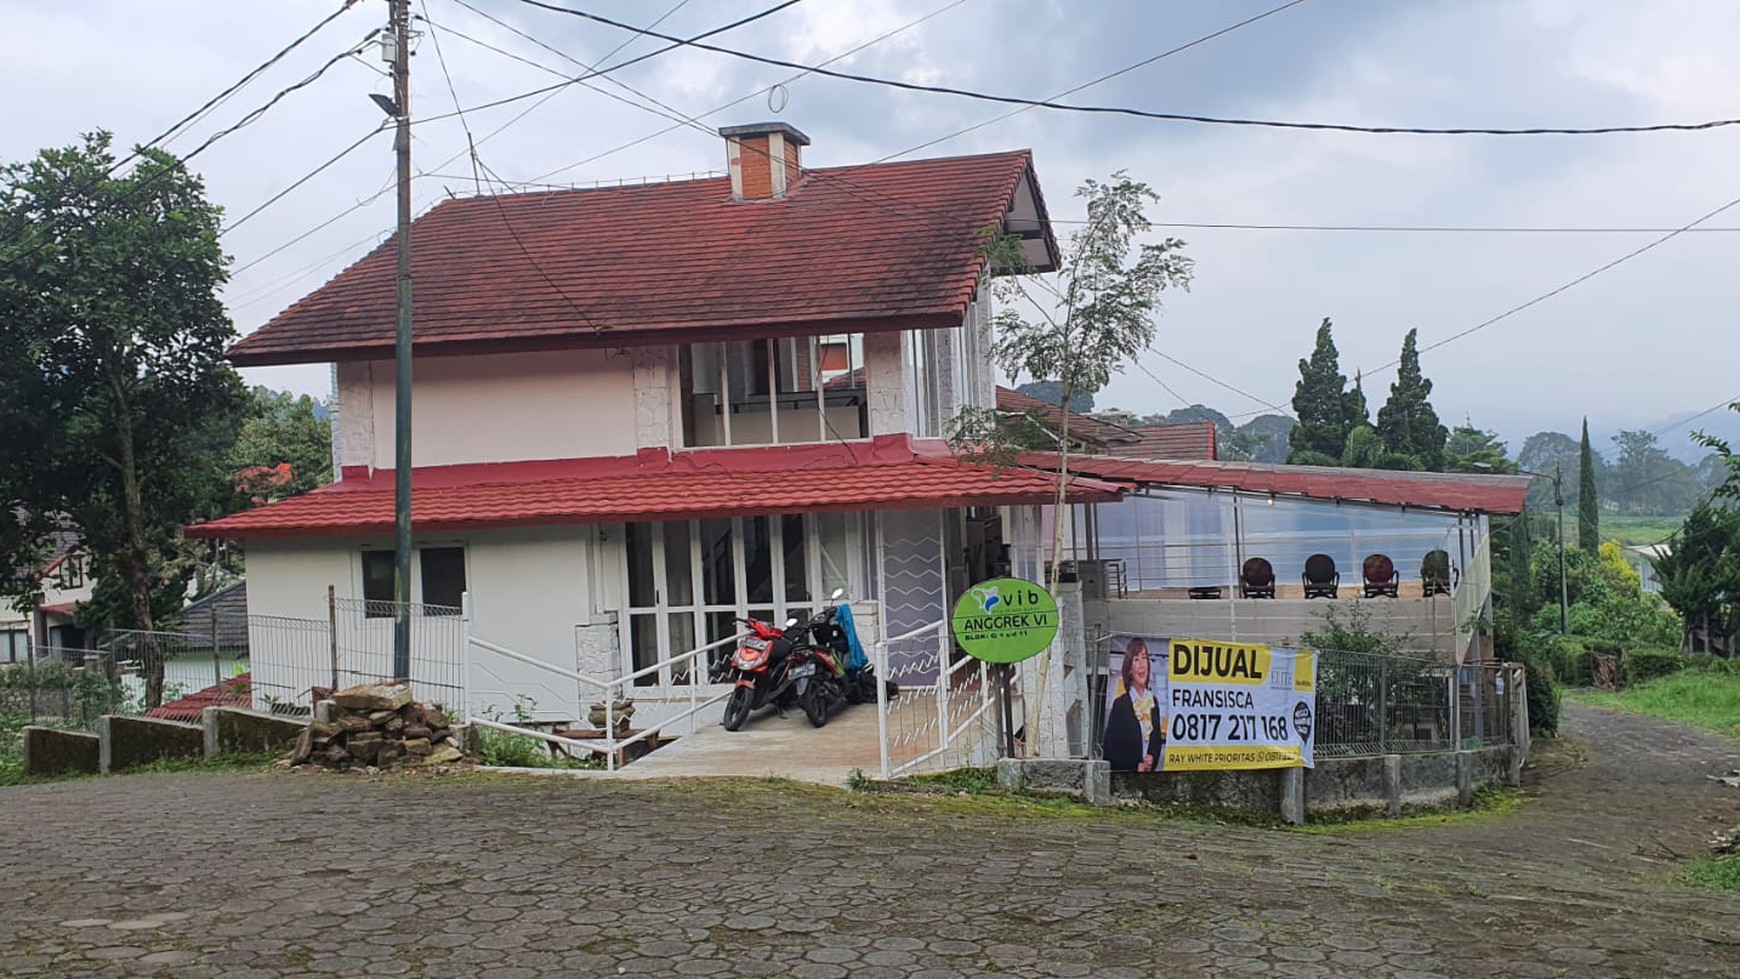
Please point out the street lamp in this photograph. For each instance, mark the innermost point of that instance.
(1559, 502)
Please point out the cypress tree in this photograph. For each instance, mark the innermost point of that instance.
(1322, 403)
(1407, 422)
(1588, 507)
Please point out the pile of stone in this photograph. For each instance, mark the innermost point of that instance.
(378, 726)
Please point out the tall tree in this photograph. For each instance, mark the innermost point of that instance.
(1700, 574)
(1323, 404)
(1099, 313)
(1474, 450)
(285, 447)
(1407, 422)
(113, 348)
(1588, 505)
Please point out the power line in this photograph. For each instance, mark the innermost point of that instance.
(740, 100)
(676, 42)
(223, 96)
(1215, 380)
(1416, 228)
(1145, 62)
(310, 175)
(1166, 387)
(1718, 406)
(1128, 111)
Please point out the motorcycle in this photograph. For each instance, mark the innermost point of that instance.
(844, 675)
(760, 671)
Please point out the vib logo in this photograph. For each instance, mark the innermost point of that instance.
(988, 598)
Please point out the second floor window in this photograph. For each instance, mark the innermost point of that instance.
(773, 391)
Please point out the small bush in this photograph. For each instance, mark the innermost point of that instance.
(1543, 698)
(1571, 661)
(1647, 663)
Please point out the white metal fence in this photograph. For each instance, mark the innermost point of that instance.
(946, 712)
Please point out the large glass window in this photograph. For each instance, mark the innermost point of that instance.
(766, 567)
(443, 579)
(781, 390)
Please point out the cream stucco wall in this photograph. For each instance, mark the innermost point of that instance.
(492, 408)
(528, 591)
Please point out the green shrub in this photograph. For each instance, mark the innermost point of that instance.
(1543, 698)
(1571, 661)
(1646, 663)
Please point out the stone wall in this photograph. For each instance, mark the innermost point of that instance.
(234, 731)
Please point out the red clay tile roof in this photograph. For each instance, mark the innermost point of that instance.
(1172, 440)
(234, 692)
(1460, 492)
(876, 247)
(888, 473)
(1082, 429)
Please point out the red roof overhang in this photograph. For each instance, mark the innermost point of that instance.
(887, 473)
(1458, 492)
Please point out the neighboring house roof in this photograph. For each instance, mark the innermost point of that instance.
(1170, 440)
(884, 246)
(1441, 491)
(229, 606)
(237, 691)
(1181, 440)
(886, 473)
(65, 610)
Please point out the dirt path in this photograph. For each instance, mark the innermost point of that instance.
(278, 875)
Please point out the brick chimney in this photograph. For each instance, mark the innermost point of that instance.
(764, 159)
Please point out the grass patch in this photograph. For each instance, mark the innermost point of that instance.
(504, 750)
(1715, 873)
(1706, 698)
(969, 780)
(222, 763)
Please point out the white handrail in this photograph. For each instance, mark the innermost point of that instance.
(671, 661)
(531, 661)
(914, 634)
(591, 746)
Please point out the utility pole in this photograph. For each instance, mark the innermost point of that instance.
(401, 32)
(1559, 501)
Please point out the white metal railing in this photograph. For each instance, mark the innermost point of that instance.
(609, 745)
(932, 719)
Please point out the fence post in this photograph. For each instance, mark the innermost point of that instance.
(694, 686)
(465, 654)
(1455, 680)
(1383, 699)
(217, 663)
(30, 669)
(332, 631)
(610, 728)
(881, 661)
(942, 691)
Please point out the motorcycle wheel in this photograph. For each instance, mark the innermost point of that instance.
(815, 703)
(737, 707)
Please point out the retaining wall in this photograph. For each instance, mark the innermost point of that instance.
(1394, 783)
(234, 731)
(132, 742)
(48, 751)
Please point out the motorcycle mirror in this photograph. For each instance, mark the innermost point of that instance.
(791, 622)
(836, 595)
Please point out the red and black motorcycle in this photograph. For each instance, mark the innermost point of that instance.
(760, 672)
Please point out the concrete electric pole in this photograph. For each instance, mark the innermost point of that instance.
(400, 30)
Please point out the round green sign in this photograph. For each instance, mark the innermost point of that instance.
(1005, 620)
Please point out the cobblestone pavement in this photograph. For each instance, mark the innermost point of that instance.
(301, 875)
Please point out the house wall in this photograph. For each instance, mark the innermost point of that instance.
(529, 592)
(493, 408)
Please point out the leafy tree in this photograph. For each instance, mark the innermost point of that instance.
(1712, 472)
(284, 449)
(1327, 411)
(1267, 437)
(1103, 314)
(1700, 573)
(1647, 480)
(1607, 605)
(1547, 453)
(113, 353)
(1473, 450)
(1051, 392)
(1588, 505)
(1406, 423)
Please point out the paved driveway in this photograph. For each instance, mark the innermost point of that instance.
(281, 875)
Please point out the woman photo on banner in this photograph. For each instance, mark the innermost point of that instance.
(1135, 728)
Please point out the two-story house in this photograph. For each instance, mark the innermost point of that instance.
(49, 623)
(643, 411)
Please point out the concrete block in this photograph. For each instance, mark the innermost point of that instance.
(1392, 784)
(1293, 796)
(326, 712)
(1465, 778)
(1514, 765)
(132, 742)
(233, 730)
(1009, 775)
(1089, 780)
(48, 752)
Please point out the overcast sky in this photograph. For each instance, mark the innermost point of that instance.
(1641, 345)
